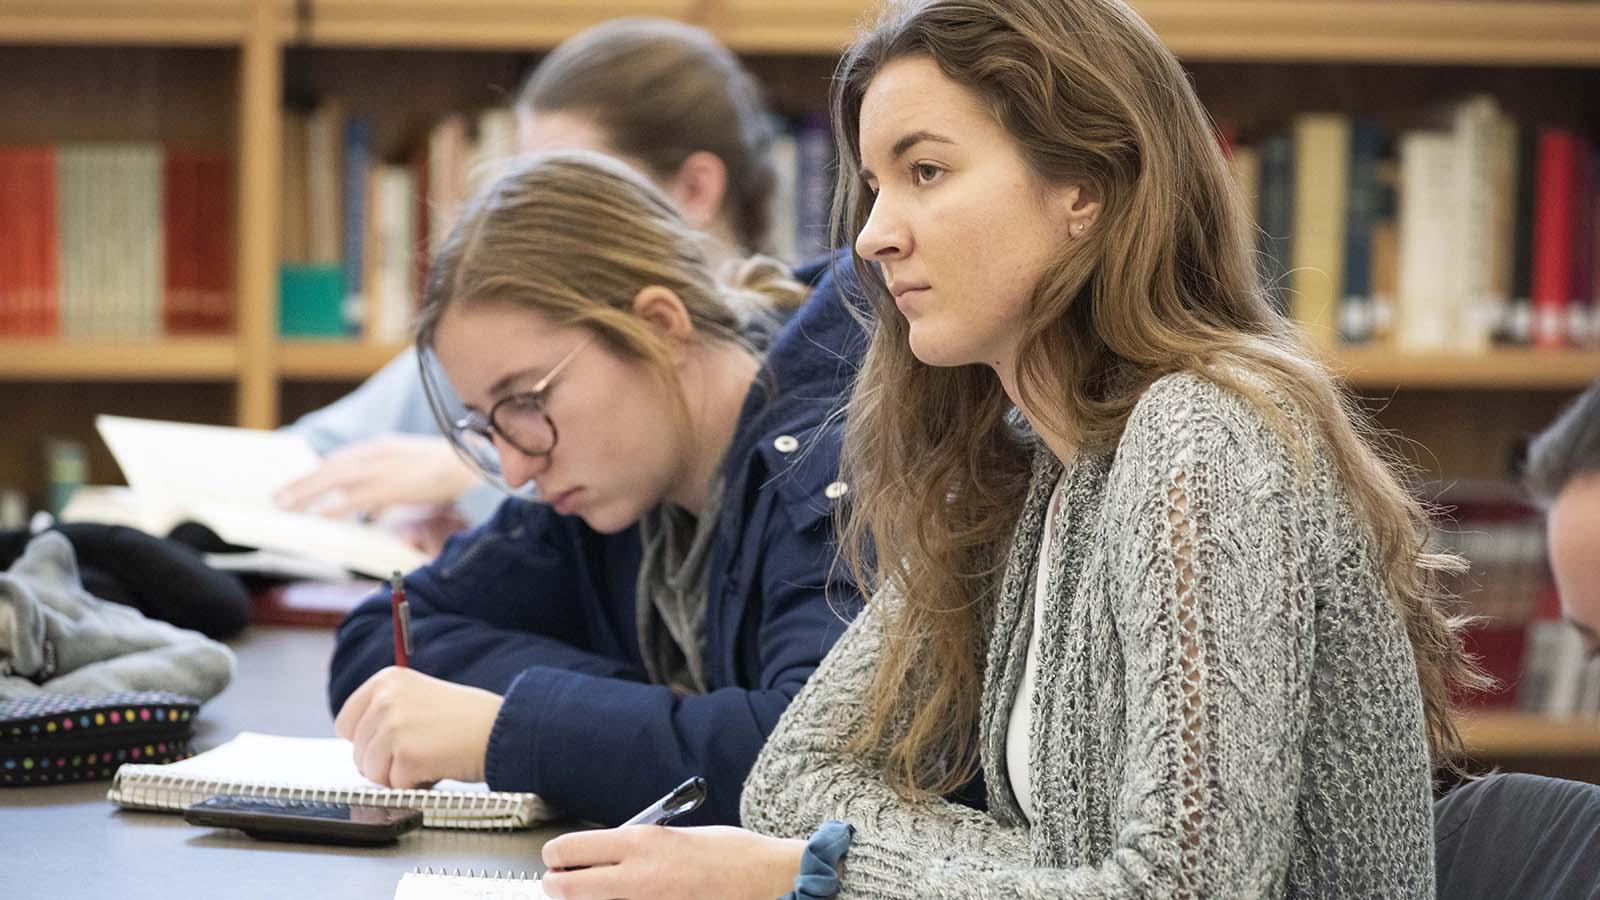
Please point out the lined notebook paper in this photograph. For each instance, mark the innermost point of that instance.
(298, 768)
(456, 886)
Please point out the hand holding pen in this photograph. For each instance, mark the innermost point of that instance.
(685, 798)
(708, 861)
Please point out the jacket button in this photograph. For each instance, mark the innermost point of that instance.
(836, 490)
(785, 443)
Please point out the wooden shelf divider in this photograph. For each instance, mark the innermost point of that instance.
(1474, 32)
(311, 360)
(165, 359)
(1500, 734)
(177, 23)
(1499, 369)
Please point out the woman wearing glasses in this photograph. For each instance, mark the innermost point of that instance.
(663, 96)
(651, 617)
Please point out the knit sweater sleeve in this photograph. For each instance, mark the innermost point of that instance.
(1215, 626)
(805, 776)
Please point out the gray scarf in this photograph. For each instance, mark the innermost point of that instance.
(671, 592)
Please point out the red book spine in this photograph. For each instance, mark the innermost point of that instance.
(42, 242)
(47, 308)
(215, 250)
(1554, 233)
(11, 238)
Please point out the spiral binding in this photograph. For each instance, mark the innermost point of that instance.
(146, 787)
(427, 884)
(510, 875)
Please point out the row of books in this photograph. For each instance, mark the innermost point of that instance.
(1538, 660)
(1478, 231)
(115, 239)
(378, 214)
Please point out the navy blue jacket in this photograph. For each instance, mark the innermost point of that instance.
(540, 608)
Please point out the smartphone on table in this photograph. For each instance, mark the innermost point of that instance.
(312, 821)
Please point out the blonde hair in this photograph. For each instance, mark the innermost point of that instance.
(1164, 282)
(661, 90)
(574, 236)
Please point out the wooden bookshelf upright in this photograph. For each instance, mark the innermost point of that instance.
(1249, 57)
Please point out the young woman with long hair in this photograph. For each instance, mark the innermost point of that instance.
(1141, 566)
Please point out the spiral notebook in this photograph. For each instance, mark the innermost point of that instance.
(431, 885)
(298, 768)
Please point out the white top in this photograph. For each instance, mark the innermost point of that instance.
(1017, 743)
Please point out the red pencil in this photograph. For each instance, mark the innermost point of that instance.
(401, 611)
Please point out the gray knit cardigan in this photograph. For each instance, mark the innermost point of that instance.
(1227, 703)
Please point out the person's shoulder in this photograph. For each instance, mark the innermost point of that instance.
(824, 341)
(800, 467)
(1191, 413)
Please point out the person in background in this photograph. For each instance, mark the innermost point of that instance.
(649, 618)
(662, 96)
(1563, 475)
(1139, 562)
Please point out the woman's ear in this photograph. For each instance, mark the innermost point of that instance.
(1080, 204)
(699, 187)
(663, 309)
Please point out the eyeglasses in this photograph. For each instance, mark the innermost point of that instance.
(519, 419)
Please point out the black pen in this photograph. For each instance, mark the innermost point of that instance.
(684, 798)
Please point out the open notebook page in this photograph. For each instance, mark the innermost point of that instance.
(311, 763)
(439, 886)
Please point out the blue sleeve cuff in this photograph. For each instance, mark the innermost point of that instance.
(819, 866)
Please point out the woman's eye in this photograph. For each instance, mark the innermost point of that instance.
(924, 173)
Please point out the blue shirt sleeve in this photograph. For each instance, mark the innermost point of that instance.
(603, 748)
(523, 590)
(392, 400)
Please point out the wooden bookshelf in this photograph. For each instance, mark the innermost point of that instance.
(1471, 32)
(216, 69)
(1398, 31)
(1516, 735)
(1494, 370)
(334, 360)
(170, 23)
(167, 359)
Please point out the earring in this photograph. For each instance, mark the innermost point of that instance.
(1077, 229)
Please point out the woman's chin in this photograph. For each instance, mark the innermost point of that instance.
(933, 349)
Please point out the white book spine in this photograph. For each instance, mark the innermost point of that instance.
(1473, 313)
(1430, 278)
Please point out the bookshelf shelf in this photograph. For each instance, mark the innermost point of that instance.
(1373, 31)
(1507, 734)
(1500, 369)
(340, 360)
(171, 359)
(1475, 32)
(193, 23)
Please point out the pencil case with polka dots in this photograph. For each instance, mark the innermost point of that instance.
(56, 738)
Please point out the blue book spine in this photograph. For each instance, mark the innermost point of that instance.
(1366, 148)
(1277, 216)
(357, 160)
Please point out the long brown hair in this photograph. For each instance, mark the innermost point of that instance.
(1164, 282)
(574, 237)
(661, 90)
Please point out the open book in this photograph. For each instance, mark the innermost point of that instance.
(224, 478)
(299, 768)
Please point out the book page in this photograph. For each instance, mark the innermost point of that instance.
(242, 465)
(224, 478)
